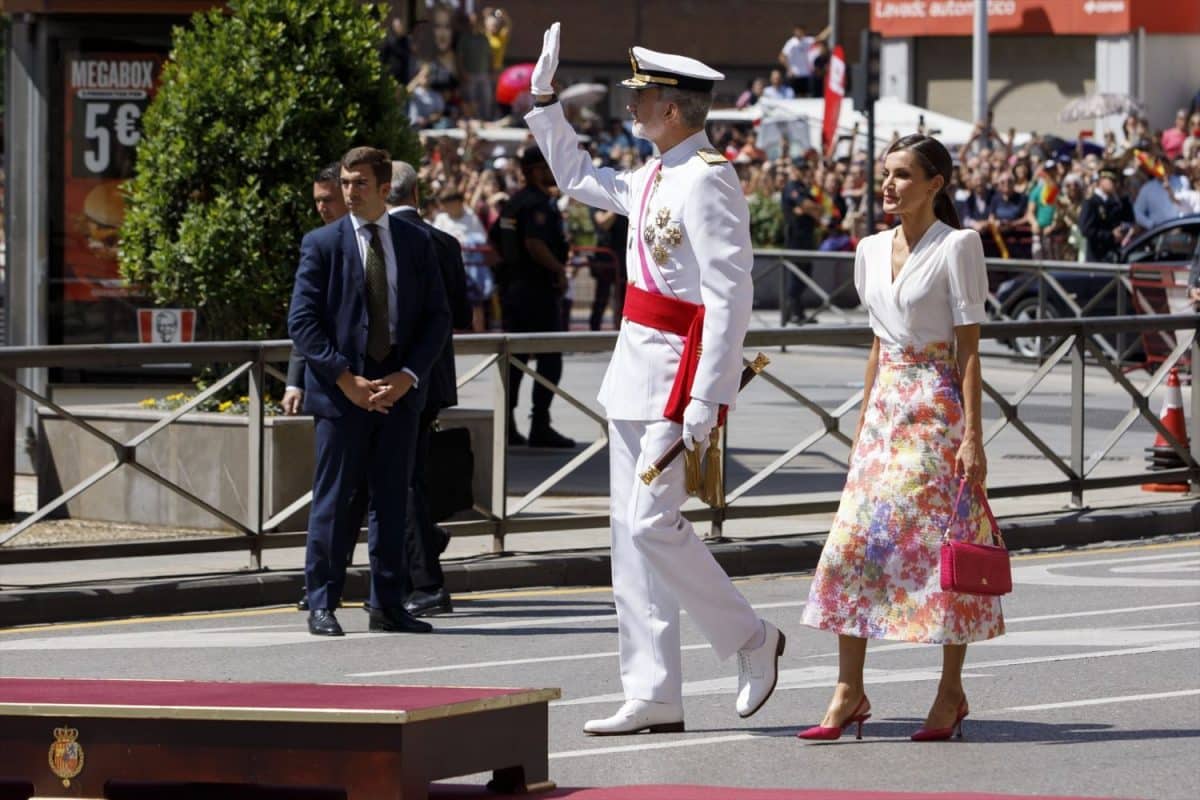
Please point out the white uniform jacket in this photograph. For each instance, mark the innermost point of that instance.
(699, 217)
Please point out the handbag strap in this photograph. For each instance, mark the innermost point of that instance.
(997, 538)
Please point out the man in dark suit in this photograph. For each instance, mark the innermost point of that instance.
(1105, 217)
(369, 316)
(327, 197)
(426, 540)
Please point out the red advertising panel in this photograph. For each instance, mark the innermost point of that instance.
(105, 96)
(894, 18)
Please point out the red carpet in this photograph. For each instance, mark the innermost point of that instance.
(675, 792)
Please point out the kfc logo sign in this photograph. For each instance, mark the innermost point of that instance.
(166, 325)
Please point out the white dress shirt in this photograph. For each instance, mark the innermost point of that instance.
(796, 50)
(363, 234)
(942, 285)
(466, 228)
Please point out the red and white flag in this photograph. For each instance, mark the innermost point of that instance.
(835, 89)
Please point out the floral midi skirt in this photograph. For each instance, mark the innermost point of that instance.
(878, 577)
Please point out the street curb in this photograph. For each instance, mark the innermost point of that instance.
(573, 568)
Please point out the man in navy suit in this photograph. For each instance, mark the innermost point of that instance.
(427, 540)
(369, 316)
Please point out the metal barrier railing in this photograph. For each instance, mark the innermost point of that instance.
(1034, 279)
(1075, 340)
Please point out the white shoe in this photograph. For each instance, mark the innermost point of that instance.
(636, 716)
(758, 671)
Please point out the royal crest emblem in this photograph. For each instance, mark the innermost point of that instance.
(66, 755)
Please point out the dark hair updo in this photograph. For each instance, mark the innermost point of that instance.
(934, 160)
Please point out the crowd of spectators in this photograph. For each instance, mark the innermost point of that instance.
(1025, 198)
(1025, 195)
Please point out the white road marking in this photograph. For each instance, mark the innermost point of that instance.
(514, 662)
(1149, 569)
(822, 677)
(543, 621)
(1048, 574)
(1098, 701)
(636, 748)
(745, 737)
(1091, 637)
(1101, 612)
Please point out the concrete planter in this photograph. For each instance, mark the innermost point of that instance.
(207, 455)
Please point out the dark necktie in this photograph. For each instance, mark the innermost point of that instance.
(379, 337)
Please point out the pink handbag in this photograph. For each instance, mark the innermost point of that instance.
(970, 568)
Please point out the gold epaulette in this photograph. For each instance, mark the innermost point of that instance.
(711, 156)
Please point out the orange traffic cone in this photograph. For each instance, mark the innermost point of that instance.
(1162, 455)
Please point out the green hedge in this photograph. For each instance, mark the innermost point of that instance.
(251, 104)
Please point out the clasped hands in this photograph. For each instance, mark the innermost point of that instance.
(375, 395)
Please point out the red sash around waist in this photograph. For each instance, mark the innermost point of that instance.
(681, 318)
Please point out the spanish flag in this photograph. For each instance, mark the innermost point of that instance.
(1150, 165)
(1049, 193)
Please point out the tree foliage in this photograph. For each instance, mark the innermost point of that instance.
(252, 102)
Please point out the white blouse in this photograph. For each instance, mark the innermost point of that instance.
(943, 284)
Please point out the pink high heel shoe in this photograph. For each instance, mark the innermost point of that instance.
(860, 714)
(942, 734)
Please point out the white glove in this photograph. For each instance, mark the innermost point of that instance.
(699, 419)
(542, 81)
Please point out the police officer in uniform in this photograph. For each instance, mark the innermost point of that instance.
(533, 246)
(1105, 217)
(678, 359)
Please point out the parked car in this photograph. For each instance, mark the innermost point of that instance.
(1159, 251)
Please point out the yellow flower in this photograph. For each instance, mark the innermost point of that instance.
(149, 402)
(176, 396)
(225, 406)
(244, 399)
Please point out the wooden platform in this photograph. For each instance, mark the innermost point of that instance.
(370, 742)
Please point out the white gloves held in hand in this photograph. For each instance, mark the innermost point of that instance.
(699, 419)
(542, 80)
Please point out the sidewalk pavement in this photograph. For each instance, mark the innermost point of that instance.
(42, 593)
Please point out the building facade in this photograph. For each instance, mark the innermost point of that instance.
(1042, 54)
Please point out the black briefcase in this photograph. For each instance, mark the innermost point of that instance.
(449, 472)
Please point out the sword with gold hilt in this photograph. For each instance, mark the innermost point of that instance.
(702, 471)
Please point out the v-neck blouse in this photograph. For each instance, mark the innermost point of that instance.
(943, 284)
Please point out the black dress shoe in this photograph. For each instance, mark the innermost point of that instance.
(395, 620)
(515, 439)
(323, 623)
(543, 435)
(302, 604)
(429, 604)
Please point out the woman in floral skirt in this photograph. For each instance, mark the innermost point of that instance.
(924, 284)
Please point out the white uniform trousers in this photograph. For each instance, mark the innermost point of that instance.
(660, 565)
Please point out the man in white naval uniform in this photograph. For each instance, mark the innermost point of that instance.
(689, 246)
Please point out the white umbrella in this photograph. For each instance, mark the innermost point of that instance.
(1100, 105)
(583, 94)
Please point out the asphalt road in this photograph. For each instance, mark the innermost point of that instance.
(1094, 691)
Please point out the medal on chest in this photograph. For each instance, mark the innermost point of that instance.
(658, 233)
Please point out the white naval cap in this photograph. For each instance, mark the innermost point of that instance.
(651, 68)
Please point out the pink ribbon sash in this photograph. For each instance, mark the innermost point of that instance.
(647, 278)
